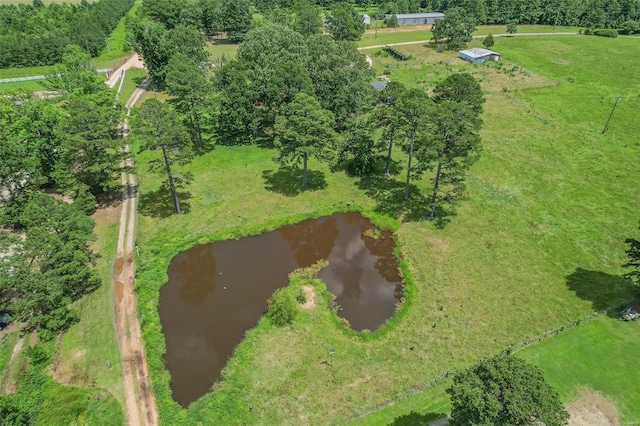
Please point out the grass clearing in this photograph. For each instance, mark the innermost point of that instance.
(132, 79)
(220, 48)
(422, 32)
(538, 242)
(599, 356)
(116, 54)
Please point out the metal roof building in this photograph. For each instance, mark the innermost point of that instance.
(417, 18)
(478, 55)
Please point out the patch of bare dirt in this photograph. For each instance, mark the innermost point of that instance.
(310, 295)
(593, 409)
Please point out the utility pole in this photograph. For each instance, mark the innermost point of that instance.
(619, 98)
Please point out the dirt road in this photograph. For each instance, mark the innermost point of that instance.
(140, 406)
(134, 61)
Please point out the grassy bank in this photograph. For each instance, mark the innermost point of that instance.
(89, 353)
(538, 242)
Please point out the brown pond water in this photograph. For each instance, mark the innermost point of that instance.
(216, 292)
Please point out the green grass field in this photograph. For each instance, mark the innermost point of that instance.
(419, 32)
(116, 54)
(538, 242)
(599, 356)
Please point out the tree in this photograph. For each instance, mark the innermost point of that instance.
(413, 108)
(345, 23)
(454, 31)
(386, 117)
(166, 12)
(455, 146)
(159, 127)
(51, 267)
(488, 41)
(462, 88)
(504, 390)
(149, 41)
(89, 157)
(304, 130)
(512, 26)
(235, 17)
(186, 81)
(341, 77)
(76, 74)
(357, 141)
(307, 18)
(188, 41)
(392, 22)
(633, 256)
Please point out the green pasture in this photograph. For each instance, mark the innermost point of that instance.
(411, 33)
(538, 241)
(116, 54)
(598, 355)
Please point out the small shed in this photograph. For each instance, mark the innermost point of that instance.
(417, 18)
(478, 55)
(366, 19)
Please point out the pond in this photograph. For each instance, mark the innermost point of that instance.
(216, 292)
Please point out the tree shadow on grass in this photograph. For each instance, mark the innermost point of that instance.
(389, 195)
(605, 291)
(416, 419)
(288, 181)
(159, 203)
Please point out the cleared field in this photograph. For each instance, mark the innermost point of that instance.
(596, 356)
(422, 32)
(538, 242)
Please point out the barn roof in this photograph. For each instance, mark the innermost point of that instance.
(478, 52)
(419, 15)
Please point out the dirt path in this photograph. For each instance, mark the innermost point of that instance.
(9, 385)
(140, 406)
(134, 61)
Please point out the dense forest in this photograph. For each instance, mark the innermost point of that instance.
(588, 13)
(32, 35)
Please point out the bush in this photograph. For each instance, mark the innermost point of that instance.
(629, 27)
(392, 22)
(282, 308)
(606, 32)
(488, 41)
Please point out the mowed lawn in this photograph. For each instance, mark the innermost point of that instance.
(538, 242)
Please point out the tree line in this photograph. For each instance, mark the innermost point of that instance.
(68, 145)
(33, 35)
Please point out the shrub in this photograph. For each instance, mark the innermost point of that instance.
(629, 27)
(392, 22)
(488, 41)
(606, 32)
(282, 308)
